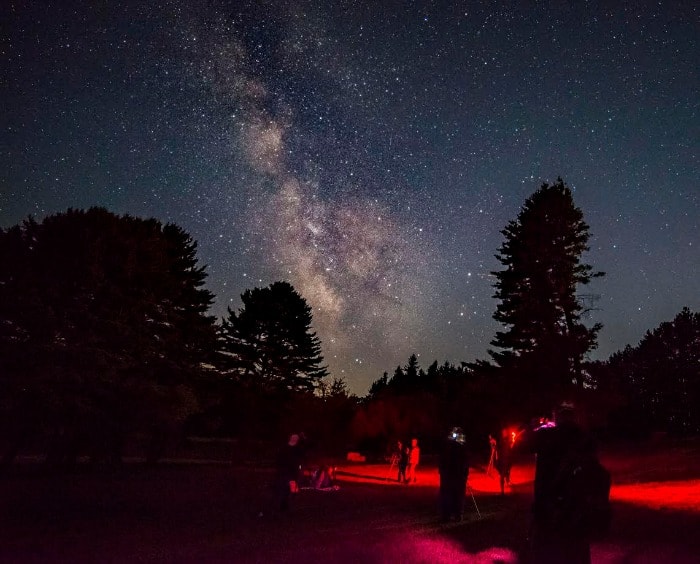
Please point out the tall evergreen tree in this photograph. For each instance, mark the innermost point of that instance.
(269, 341)
(103, 321)
(406, 379)
(192, 330)
(544, 338)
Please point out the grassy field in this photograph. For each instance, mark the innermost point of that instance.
(218, 512)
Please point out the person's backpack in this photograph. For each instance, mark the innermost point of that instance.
(583, 494)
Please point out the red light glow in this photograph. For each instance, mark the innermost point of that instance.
(681, 495)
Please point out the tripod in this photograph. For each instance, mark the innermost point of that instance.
(489, 468)
(471, 493)
(393, 464)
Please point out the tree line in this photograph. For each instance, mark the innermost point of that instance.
(105, 335)
(541, 356)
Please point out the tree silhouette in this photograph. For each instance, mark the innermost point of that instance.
(103, 324)
(537, 291)
(661, 376)
(414, 401)
(406, 379)
(269, 342)
(378, 387)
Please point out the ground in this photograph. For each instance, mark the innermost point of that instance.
(182, 511)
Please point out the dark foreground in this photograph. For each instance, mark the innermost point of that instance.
(222, 513)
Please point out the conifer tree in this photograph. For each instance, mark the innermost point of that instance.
(269, 341)
(545, 338)
(661, 375)
(379, 386)
(104, 324)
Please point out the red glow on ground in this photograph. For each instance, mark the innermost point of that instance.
(680, 495)
(428, 476)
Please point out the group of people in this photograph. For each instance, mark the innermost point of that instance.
(454, 469)
(571, 487)
(406, 459)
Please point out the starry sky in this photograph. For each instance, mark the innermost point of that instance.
(369, 152)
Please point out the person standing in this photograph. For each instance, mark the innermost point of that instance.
(413, 460)
(402, 461)
(504, 459)
(559, 534)
(288, 469)
(493, 445)
(454, 473)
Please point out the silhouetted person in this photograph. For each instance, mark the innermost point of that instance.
(560, 532)
(504, 459)
(454, 473)
(287, 472)
(493, 445)
(401, 460)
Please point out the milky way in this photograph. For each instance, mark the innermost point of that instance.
(369, 152)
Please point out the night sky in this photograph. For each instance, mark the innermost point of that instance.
(369, 152)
